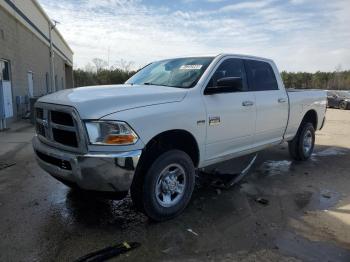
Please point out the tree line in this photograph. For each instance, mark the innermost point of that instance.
(102, 77)
(337, 80)
(100, 73)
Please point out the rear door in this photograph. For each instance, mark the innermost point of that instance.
(231, 115)
(271, 101)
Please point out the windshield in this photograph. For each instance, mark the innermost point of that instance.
(345, 94)
(341, 94)
(179, 72)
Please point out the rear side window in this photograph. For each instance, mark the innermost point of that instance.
(260, 76)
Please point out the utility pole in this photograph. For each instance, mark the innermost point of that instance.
(52, 25)
(108, 58)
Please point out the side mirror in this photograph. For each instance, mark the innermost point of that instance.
(226, 85)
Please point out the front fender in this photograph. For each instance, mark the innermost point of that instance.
(150, 121)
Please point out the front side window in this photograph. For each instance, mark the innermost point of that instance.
(179, 72)
(232, 67)
(260, 76)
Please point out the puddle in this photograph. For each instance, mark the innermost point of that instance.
(321, 200)
(272, 168)
(332, 151)
(328, 199)
(80, 208)
(294, 245)
(303, 199)
(249, 189)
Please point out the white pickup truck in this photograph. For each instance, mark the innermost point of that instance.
(172, 117)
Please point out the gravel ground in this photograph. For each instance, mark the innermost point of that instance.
(307, 217)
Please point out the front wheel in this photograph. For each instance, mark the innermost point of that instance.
(343, 105)
(302, 146)
(167, 186)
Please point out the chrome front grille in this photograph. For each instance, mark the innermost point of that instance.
(59, 126)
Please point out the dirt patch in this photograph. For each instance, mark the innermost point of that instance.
(326, 225)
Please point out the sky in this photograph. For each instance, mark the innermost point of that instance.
(299, 35)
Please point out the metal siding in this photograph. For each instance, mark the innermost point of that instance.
(29, 14)
(26, 52)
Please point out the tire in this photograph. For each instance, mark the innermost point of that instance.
(343, 105)
(302, 146)
(165, 195)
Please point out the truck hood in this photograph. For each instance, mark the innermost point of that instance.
(94, 102)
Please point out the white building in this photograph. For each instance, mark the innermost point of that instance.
(26, 68)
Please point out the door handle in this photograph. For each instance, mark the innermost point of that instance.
(282, 100)
(247, 103)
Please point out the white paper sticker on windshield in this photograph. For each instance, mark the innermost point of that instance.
(191, 67)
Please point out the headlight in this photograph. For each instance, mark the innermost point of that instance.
(110, 133)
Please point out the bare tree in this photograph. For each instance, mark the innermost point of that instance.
(124, 65)
(99, 64)
(89, 68)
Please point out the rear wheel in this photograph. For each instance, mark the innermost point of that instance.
(302, 146)
(343, 105)
(167, 186)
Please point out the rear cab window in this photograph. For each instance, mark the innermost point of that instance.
(261, 76)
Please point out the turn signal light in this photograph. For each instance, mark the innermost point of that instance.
(120, 139)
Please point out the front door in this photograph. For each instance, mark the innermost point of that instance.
(230, 115)
(30, 84)
(6, 89)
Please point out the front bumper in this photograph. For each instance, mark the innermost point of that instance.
(105, 172)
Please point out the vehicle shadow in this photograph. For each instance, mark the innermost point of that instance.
(93, 209)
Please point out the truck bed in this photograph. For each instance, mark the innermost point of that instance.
(300, 102)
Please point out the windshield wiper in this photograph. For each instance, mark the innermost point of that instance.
(148, 83)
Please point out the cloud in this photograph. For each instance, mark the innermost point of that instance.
(309, 36)
(246, 6)
(216, 1)
(297, 2)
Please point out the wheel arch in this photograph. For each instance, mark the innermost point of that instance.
(310, 117)
(176, 139)
(171, 139)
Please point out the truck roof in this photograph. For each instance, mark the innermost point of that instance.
(246, 56)
(243, 56)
